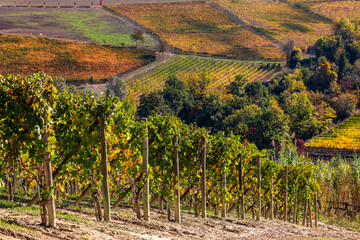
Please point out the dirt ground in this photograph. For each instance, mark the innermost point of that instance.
(76, 3)
(16, 224)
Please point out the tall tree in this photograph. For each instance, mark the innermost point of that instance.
(138, 35)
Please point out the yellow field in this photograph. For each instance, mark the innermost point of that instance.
(334, 10)
(344, 136)
(200, 28)
(279, 20)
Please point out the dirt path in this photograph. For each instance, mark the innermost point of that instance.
(160, 58)
(124, 225)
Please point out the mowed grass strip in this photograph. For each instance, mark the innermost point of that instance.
(70, 60)
(337, 10)
(344, 136)
(220, 72)
(279, 20)
(200, 28)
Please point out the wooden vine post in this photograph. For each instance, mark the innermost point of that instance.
(177, 182)
(310, 214)
(295, 202)
(104, 166)
(271, 198)
(241, 185)
(223, 186)
(286, 192)
(145, 155)
(316, 211)
(258, 215)
(304, 213)
(203, 180)
(50, 202)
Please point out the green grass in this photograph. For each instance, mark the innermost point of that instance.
(85, 24)
(100, 28)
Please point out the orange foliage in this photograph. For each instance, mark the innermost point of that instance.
(70, 60)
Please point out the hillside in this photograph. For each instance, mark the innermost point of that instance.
(70, 60)
(198, 27)
(220, 72)
(79, 24)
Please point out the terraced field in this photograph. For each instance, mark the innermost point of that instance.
(279, 20)
(345, 136)
(220, 72)
(70, 60)
(81, 24)
(336, 10)
(200, 28)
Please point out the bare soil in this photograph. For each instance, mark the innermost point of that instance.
(124, 225)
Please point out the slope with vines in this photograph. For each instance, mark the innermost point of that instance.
(200, 28)
(220, 72)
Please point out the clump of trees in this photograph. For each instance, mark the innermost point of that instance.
(303, 101)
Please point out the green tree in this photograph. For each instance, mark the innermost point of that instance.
(177, 98)
(138, 35)
(294, 58)
(152, 104)
(299, 109)
(323, 77)
(117, 87)
(236, 87)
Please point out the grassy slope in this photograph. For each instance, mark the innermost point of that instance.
(198, 27)
(71, 60)
(84, 24)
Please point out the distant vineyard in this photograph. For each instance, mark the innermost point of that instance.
(198, 27)
(70, 60)
(279, 20)
(345, 136)
(221, 72)
(334, 10)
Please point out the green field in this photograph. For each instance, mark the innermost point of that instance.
(220, 72)
(90, 24)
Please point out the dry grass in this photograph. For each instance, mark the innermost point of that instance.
(71, 60)
(200, 28)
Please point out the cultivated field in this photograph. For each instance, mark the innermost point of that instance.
(279, 20)
(70, 60)
(80, 24)
(336, 10)
(200, 28)
(220, 72)
(345, 136)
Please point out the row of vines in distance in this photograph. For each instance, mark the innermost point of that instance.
(219, 71)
